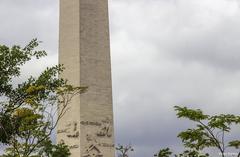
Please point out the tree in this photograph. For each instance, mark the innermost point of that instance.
(209, 132)
(124, 150)
(28, 111)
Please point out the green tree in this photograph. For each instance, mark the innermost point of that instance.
(209, 132)
(28, 111)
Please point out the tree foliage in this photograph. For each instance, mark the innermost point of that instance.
(163, 153)
(209, 132)
(28, 111)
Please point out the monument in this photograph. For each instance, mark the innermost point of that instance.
(84, 49)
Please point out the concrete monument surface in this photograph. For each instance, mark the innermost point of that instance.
(84, 49)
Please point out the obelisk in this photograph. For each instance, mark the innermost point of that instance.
(84, 50)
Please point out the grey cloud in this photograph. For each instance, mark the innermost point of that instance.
(26, 19)
(191, 31)
(171, 53)
(218, 47)
(164, 53)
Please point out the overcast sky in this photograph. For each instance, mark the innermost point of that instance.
(164, 53)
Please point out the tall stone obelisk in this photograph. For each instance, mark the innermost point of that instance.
(84, 49)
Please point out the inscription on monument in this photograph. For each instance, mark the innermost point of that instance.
(62, 131)
(105, 130)
(74, 147)
(92, 151)
(74, 133)
(90, 123)
(106, 145)
(70, 131)
(98, 138)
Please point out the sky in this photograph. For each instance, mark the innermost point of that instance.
(164, 53)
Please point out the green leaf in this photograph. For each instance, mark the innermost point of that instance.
(191, 114)
(235, 144)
